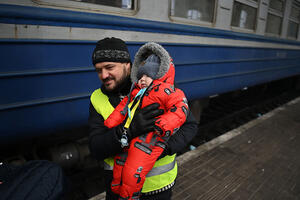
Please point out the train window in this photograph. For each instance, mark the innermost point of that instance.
(294, 18)
(274, 18)
(126, 4)
(244, 15)
(295, 11)
(277, 5)
(293, 29)
(109, 6)
(201, 10)
(273, 24)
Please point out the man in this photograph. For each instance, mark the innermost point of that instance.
(112, 63)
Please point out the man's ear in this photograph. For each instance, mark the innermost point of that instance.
(127, 66)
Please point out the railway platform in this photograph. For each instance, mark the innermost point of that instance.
(257, 161)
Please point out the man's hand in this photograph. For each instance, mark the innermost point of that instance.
(143, 120)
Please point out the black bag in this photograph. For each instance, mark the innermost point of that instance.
(35, 180)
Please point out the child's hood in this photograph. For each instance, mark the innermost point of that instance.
(166, 71)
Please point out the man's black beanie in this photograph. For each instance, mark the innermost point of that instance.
(111, 50)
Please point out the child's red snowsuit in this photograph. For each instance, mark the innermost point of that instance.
(129, 173)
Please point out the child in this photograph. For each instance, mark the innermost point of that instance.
(155, 72)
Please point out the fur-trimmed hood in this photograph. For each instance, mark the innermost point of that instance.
(166, 71)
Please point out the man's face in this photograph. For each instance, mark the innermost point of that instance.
(112, 73)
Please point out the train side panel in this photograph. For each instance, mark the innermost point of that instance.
(47, 75)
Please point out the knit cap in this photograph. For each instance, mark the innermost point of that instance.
(149, 67)
(111, 50)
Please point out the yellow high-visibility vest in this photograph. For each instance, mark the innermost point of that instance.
(164, 170)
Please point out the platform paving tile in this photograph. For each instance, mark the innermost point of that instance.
(262, 163)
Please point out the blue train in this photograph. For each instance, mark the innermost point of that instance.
(46, 74)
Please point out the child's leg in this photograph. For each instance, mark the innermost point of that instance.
(119, 162)
(142, 155)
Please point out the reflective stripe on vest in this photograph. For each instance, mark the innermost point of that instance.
(164, 170)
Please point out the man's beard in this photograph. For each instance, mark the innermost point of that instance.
(119, 84)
